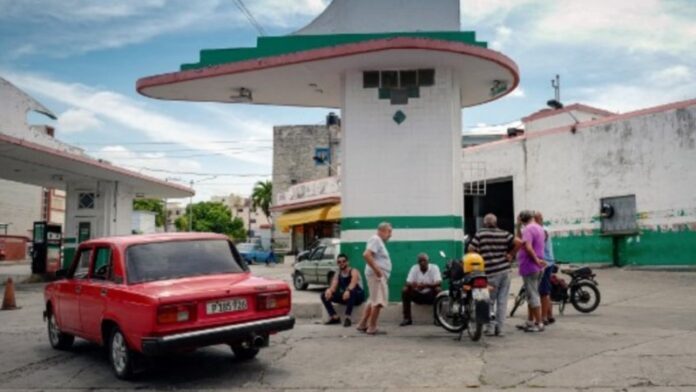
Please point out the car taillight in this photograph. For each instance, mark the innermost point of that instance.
(269, 301)
(480, 283)
(171, 314)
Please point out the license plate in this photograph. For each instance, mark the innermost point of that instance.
(480, 294)
(226, 305)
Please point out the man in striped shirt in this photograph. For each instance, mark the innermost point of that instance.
(498, 248)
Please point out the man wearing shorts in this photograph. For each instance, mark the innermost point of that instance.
(377, 269)
(545, 285)
(531, 268)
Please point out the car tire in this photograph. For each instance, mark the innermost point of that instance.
(244, 353)
(299, 281)
(121, 357)
(57, 339)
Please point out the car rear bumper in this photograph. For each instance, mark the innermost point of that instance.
(217, 335)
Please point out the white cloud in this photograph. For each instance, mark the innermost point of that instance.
(495, 129)
(150, 123)
(502, 36)
(476, 11)
(645, 25)
(77, 120)
(517, 93)
(663, 86)
(64, 28)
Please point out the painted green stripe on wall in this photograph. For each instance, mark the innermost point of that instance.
(650, 248)
(403, 255)
(403, 222)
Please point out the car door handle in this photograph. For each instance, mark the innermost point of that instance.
(103, 292)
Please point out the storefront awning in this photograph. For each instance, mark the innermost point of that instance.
(300, 217)
(334, 213)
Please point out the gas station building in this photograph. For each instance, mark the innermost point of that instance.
(98, 199)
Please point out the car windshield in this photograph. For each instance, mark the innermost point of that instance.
(245, 247)
(179, 259)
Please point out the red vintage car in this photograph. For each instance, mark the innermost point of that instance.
(161, 293)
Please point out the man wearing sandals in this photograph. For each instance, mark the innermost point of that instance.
(377, 269)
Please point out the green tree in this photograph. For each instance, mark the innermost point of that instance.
(261, 197)
(153, 205)
(212, 217)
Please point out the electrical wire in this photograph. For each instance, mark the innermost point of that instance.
(250, 17)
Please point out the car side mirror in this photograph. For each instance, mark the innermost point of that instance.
(61, 274)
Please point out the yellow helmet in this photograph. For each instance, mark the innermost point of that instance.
(472, 262)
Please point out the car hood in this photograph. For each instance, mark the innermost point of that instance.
(204, 287)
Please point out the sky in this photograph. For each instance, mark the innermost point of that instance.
(81, 59)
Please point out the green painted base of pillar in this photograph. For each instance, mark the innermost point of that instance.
(404, 255)
(649, 248)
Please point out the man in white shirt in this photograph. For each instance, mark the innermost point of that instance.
(422, 285)
(377, 269)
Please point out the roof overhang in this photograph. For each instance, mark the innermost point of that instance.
(312, 78)
(30, 163)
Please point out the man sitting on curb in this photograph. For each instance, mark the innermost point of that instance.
(345, 290)
(422, 286)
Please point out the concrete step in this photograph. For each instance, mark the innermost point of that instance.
(421, 314)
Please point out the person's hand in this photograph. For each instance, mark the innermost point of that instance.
(542, 263)
(509, 257)
(328, 294)
(379, 274)
(346, 295)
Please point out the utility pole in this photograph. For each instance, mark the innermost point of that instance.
(556, 84)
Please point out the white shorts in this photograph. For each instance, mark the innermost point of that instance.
(379, 291)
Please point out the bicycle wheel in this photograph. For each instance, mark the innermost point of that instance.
(519, 300)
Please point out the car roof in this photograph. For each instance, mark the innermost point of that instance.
(127, 240)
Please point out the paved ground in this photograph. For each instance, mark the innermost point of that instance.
(642, 338)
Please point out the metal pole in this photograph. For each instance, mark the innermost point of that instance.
(191, 210)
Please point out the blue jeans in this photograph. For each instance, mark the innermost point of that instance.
(499, 296)
(357, 297)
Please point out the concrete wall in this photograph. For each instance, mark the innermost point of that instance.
(651, 154)
(407, 174)
(20, 205)
(293, 149)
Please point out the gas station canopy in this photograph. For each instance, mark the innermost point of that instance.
(306, 71)
(36, 164)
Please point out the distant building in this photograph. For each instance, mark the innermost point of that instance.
(255, 221)
(306, 170)
(144, 222)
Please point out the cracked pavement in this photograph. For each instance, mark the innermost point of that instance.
(642, 338)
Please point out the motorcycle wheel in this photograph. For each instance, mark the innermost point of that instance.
(585, 297)
(444, 315)
(519, 300)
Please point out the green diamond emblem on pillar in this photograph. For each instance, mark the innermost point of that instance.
(399, 117)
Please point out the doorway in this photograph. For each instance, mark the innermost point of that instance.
(498, 200)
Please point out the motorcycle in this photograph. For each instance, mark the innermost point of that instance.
(465, 305)
(582, 291)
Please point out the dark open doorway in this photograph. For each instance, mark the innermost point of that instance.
(498, 200)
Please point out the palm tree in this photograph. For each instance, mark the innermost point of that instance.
(261, 197)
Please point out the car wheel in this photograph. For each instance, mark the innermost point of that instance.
(58, 340)
(244, 353)
(120, 356)
(298, 280)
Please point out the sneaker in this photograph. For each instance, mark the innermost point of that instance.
(489, 330)
(499, 332)
(535, 328)
(550, 321)
(406, 322)
(333, 321)
(347, 322)
(524, 326)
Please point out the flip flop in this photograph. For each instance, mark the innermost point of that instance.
(376, 332)
(363, 330)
